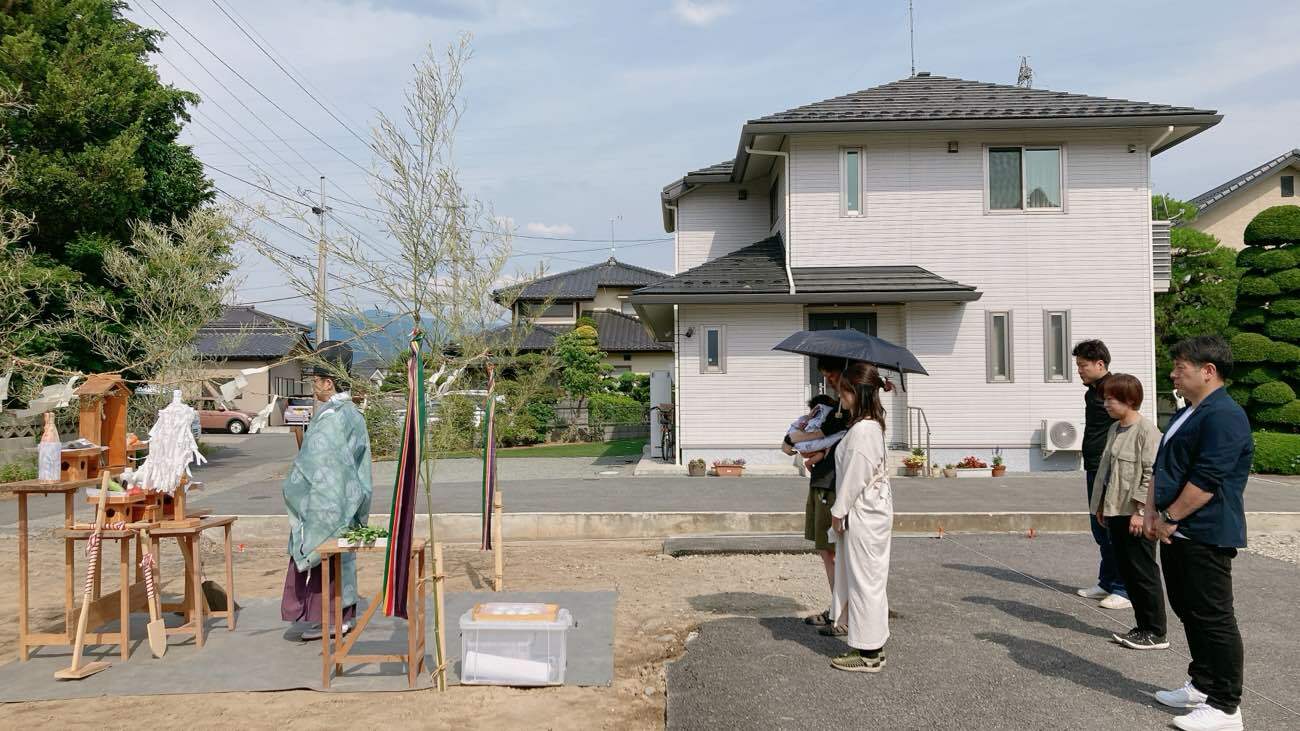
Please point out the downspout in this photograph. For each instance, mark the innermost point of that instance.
(1151, 301)
(677, 351)
(788, 240)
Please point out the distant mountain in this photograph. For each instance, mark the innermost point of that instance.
(381, 344)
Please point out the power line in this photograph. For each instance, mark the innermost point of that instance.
(255, 185)
(286, 73)
(252, 86)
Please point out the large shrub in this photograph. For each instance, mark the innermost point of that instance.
(1202, 291)
(384, 426)
(1277, 454)
(1276, 226)
(615, 408)
(1276, 393)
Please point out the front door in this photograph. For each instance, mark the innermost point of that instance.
(863, 322)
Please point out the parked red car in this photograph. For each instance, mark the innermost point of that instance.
(214, 416)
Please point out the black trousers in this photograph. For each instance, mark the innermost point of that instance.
(1135, 557)
(1199, 580)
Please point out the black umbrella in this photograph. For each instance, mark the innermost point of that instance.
(853, 345)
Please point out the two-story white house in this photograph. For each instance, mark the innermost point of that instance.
(987, 228)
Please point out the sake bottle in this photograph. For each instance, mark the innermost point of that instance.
(49, 456)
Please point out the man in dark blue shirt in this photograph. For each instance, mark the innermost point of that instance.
(1092, 360)
(1198, 514)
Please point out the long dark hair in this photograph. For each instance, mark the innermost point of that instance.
(864, 382)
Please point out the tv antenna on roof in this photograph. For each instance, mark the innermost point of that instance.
(1025, 79)
(911, 36)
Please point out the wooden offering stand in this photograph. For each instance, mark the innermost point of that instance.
(102, 421)
(164, 511)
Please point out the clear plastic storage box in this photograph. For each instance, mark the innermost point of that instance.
(521, 644)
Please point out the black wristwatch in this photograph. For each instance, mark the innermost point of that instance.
(1164, 515)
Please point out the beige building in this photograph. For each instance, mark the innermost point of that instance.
(247, 338)
(1225, 210)
(554, 303)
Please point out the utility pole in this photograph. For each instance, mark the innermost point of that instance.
(911, 36)
(322, 322)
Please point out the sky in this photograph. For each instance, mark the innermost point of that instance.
(580, 112)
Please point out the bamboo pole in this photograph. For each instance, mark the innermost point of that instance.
(440, 644)
(498, 550)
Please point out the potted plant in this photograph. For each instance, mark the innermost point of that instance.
(696, 468)
(914, 462)
(973, 467)
(729, 467)
(364, 535)
(999, 466)
(950, 470)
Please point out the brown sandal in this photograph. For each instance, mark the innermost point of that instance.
(819, 620)
(834, 630)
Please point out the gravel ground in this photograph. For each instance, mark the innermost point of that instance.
(1282, 546)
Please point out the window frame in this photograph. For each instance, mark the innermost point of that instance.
(989, 375)
(705, 368)
(1064, 352)
(1282, 185)
(1062, 151)
(524, 311)
(861, 153)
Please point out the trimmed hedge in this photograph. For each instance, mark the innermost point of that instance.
(1284, 353)
(615, 408)
(1277, 454)
(1257, 375)
(1275, 225)
(1285, 306)
(1274, 259)
(1250, 317)
(1287, 416)
(1240, 394)
(1247, 257)
(1288, 280)
(1276, 393)
(1251, 348)
(1287, 329)
(1258, 287)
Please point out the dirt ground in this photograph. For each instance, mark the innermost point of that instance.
(661, 599)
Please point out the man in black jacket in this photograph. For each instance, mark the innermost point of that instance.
(1092, 359)
(1199, 516)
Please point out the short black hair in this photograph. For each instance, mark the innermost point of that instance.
(830, 363)
(1092, 350)
(1204, 349)
(821, 399)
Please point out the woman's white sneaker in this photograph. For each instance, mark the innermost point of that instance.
(1207, 718)
(1095, 592)
(1115, 601)
(1185, 697)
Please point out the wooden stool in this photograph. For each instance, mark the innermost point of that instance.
(117, 605)
(194, 605)
(335, 650)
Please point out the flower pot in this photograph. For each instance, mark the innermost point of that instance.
(950, 473)
(729, 470)
(911, 471)
(695, 470)
(963, 472)
(999, 470)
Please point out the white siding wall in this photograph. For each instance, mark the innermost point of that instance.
(753, 403)
(925, 206)
(712, 222)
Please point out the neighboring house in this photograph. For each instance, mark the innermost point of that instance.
(554, 303)
(1225, 210)
(988, 228)
(244, 337)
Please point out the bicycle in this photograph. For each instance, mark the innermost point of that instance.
(667, 434)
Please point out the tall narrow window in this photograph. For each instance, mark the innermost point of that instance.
(999, 355)
(1056, 346)
(773, 196)
(851, 181)
(713, 350)
(1024, 178)
(1288, 186)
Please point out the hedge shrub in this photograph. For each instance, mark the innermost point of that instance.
(1251, 317)
(1256, 375)
(615, 408)
(1240, 393)
(1247, 257)
(1287, 416)
(1274, 259)
(1258, 287)
(1276, 393)
(1284, 329)
(1277, 454)
(1251, 348)
(1275, 225)
(1284, 353)
(1285, 306)
(1288, 280)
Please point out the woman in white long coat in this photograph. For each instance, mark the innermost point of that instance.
(863, 518)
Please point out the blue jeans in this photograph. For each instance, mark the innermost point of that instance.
(1108, 576)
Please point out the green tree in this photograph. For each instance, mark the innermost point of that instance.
(1267, 348)
(1202, 292)
(1168, 208)
(94, 150)
(581, 363)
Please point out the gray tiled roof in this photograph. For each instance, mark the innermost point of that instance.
(756, 269)
(1220, 192)
(877, 279)
(238, 344)
(582, 283)
(616, 333)
(245, 316)
(921, 98)
(721, 168)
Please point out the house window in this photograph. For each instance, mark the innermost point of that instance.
(713, 349)
(628, 309)
(772, 199)
(851, 181)
(1024, 178)
(539, 309)
(1288, 186)
(627, 356)
(999, 354)
(1056, 346)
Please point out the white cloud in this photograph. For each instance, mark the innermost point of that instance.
(549, 229)
(701, 12)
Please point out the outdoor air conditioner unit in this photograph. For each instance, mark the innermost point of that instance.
(1061, 435)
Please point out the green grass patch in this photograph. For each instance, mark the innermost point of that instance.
(616, 448)
(1277, 454)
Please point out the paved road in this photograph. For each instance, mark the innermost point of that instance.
(979, 647)
(244, 478)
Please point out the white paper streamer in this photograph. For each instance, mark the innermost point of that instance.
(52, 397)
(172, 449)
(4, 389)
(263, 417)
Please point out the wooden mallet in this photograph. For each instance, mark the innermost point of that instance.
(79, 670)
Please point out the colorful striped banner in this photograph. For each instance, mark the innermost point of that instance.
(489, 459)
(401, 522)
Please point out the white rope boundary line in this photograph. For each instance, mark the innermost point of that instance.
(1076, 600)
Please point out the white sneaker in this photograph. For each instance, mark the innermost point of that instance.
(1115, 601)
(1095, 592)
(1207, 718)
(1185, 697)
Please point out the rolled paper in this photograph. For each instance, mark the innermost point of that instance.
(482, 666)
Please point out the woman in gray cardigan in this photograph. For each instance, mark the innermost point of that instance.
(1119, 500)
